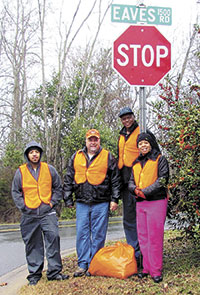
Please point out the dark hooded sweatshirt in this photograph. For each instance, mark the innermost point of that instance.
(17, 192)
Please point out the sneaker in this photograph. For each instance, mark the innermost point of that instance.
(142, 275)
(59, 277)
(157, 279)
(88, 274)
(79, 272)
(32, 282)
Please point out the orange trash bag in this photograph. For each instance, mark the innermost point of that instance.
(116, 261)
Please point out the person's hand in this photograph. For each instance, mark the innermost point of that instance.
(139, 193)
(50, 205)
(113, 206)
(69, 206)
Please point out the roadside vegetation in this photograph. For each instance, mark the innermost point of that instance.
(82, 91)
(56, 107)
(181, 275)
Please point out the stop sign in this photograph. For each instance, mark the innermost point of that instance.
(142, 55)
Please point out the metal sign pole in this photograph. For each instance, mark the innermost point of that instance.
(142, 109)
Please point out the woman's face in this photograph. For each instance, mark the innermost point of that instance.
(144, 147)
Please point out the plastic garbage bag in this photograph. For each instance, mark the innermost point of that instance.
(116, 261)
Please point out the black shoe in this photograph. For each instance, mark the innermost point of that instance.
(79, 272)
(157, 279)
(32, 282)
(142, 275)
(88, 274)
(59, 277)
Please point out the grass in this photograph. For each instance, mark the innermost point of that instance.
(181, 276)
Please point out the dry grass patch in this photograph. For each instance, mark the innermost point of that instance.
(181, 276)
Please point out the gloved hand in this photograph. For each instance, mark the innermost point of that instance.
(139, 193)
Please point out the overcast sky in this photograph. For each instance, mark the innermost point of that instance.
(184, 15)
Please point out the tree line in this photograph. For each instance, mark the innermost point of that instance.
(84, 92)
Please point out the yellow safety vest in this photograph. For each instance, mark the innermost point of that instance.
(95, 173)
(36, 192)
(147, 175)
(128, 150)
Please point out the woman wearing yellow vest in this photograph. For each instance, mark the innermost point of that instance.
(150, 174)
(36, 190)
(127, 154)
(93, 176)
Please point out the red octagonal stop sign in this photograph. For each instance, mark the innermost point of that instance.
(142, 55)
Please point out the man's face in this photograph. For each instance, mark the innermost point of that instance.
(127, 120)
(34, 156)
(93, 144)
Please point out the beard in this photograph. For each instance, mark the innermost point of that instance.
(36, 162)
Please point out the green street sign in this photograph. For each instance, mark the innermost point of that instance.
(141, 14)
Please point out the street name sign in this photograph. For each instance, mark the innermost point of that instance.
(142, 55)
(151, 15)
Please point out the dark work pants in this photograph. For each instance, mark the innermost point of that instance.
(129, 220)
(37, 232)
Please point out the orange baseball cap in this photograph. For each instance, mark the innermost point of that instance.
(92, 132)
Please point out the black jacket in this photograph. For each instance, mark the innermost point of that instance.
(157, 190)
(87, 193)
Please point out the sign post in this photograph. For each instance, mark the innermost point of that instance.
(142, 109)
(142, 56)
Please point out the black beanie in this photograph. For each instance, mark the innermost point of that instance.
(147, 137)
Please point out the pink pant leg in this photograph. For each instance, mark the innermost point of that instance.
(151, 217)
(143, 234)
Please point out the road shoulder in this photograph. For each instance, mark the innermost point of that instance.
(17, 278)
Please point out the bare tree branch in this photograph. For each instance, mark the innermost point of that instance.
(181, 75)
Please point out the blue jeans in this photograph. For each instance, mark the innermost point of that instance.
(129, 220)
(91, 229)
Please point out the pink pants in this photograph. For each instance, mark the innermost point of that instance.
(151, 217)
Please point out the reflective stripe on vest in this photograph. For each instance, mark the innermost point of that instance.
(128, 151)
(147, 175)
(95, 173)
(36, 192)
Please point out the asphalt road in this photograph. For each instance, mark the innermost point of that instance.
(12, 254)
